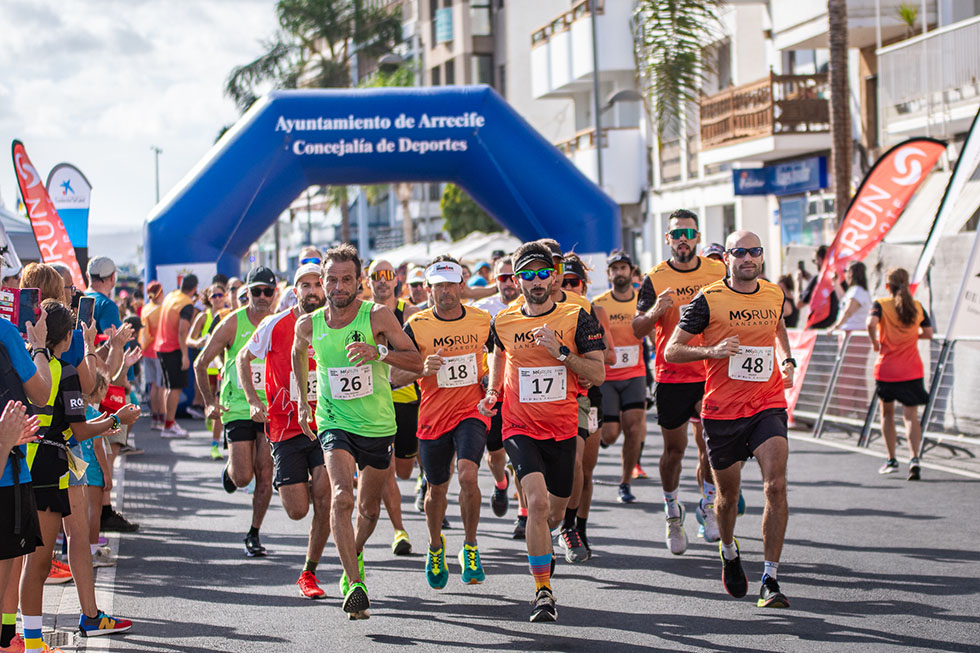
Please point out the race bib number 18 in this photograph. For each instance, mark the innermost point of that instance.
(751, 364)
(350, 382)
(541, 384)
(457, 371)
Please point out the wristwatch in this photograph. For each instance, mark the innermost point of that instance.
(563, 353)
(115, 420)
(38, 350)
(791, 360)
(382, 352)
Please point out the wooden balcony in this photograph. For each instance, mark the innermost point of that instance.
(778, 104)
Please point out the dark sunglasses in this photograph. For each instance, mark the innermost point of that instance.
(234, 289)
(571, 283)
(382, 275)
(258, 292)
(415, 285)
(312, 259)
(506, 278)
(217, 294)
(740, 252)
(543, 273)
(687, 232)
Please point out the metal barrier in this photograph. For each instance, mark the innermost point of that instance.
(952, 416)
(819, 373)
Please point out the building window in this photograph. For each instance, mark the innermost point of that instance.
(482, 69)
(450, 72)
(443, 25)
(436, 79)
(502, 79)
(480, 18)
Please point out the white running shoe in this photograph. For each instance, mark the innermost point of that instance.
(709, 525)
(103, 558)
(157, 425)
(676, 537)
(175, 432)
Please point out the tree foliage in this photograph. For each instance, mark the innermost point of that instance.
(463, 215)
(669, 38)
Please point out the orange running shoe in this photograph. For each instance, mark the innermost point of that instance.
(308, 586)
(638, 472)
(59, 573)
(16, 645)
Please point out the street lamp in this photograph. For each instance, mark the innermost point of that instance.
(156, 166)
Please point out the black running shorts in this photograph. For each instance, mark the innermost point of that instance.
(407, 423)
(244, 430)
(53, 499)
(677, 402)
(367, 452)
(174, 378)
(555, 459)
(466, 442)
(907, 393)
(295, 459)
(20, 531)
(731, 441)
(495, 436)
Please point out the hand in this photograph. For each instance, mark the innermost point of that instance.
(122, 335)
(725, 349)
(432, 364)
(16, 426)
(133, 356)
(361, 353)
(128, 414)
(185, 361)
(545, 337)
(215, 410)
(875, 344)
(789, 371)
(303, 415)
(37, 333)
(257, 412)
(108, 481)
(486, 405)
(665, 301)
(89, 331)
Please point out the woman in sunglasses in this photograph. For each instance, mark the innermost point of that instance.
(204, 324)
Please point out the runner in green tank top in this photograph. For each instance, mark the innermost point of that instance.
(206, 322)
(354, 342)
(249, 455)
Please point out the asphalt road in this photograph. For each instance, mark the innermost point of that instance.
(870, 563)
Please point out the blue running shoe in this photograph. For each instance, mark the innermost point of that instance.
(741, 504)
(435, 566)
(469, 560)
(102, 624)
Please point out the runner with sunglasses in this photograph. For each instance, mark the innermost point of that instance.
(668, 288)
(541, 351)
(737, 329)
(248, 448)
(381, 277)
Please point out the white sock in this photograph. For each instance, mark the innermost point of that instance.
(32, 633)
(670, 500)
(770, 570)
(708, 492)
(730, 551)
(94, 548)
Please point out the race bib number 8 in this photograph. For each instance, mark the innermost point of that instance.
(310, 387)
(457, 371)
(350, 382)
(751, 364)
(541, 384)
(626, 356)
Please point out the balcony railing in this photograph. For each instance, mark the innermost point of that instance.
(778, 104)
(564, 21)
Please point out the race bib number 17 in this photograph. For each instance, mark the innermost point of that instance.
(541, 384)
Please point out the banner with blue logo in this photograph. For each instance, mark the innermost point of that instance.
(71, 194)
(783, 179)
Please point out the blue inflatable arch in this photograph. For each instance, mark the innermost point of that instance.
(291, 140)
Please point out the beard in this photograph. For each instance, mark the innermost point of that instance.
(683, 257)
(509, 293)
(342, 302)
(622, 283)
(312, 302)
(538, 295)
(746, 274)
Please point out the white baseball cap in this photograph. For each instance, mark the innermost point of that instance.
(305, 269)
(443, 272)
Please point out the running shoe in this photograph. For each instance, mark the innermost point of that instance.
(708, 530)
(770, 596)
(58, 574)
(435, 566)
(117, 523)
(676, 536)
(585, 541)
(226, 482)
(309, 587)
(129, 450)
(571, 542)
(890, 466)
(445, 524)
(625, 496)
(356, 603)
(544, 606)
(216, 453)
(16, 645)
(175, 432)
(103, 558)
(401, 546)
(469, 561)
(638, 472)
(499, 501)
(741, 504)
(157, 425)
(520, 527)
(914, 474)
(102, 624)
(196, 412)
(732, 574)
(344, 583)
(254, 548)
(420, 487)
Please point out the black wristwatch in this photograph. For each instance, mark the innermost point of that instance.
(38, 350)
(563, 353)
(791, 360)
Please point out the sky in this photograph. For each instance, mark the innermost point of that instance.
(96, 83)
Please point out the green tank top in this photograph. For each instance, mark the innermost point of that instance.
(232, 396)
(355, 399)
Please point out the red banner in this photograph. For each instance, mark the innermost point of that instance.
(52, 239)
(801, 343)
(876, 206)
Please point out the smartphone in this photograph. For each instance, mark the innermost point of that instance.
(86, 308)
(29, 308)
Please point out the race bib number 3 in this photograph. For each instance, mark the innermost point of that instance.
(751, 364)
(258, 375)
(457, 371)
(541, 384)
(350, 382)
(626, 356)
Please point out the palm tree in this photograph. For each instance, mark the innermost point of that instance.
(669, 38)
(840, 110)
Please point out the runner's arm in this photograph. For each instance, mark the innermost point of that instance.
(473, 293)
(609, 355)
(874, 316)
(401, 350)
(195, 340)
(693, 322)
(243, 366)
(400, 377)
(219, 340)
(183, 329)
(302, 336)
(925, 327)
(648, 309)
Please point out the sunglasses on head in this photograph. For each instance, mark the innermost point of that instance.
(687, 232)
(382, 275)
(312, 259)
(506, 278)
(740, 252)
(574, 282)
(543, 273)
(258, 291)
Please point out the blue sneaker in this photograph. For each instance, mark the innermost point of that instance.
(102, 624)
(435, 566)
(469, 560)
(741, 504)
(345, 583)
(625, 496)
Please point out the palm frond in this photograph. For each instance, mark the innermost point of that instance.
(272, 66)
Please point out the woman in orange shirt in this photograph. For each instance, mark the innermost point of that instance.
(895, 325)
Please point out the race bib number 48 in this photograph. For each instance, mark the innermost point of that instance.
(541, 384)
(751, 364)
(457, 371)
(350, 382)
(626, 356)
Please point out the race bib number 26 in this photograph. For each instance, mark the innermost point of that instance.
(350, 382)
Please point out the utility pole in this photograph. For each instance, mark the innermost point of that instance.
(593, 9)
(156, 168)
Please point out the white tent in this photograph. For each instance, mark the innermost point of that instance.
(475, 247)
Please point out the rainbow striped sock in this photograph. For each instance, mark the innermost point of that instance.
(32, 634)
(541, 570)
